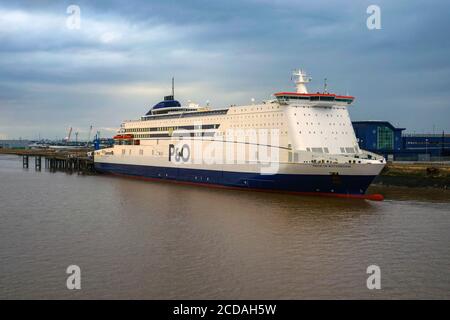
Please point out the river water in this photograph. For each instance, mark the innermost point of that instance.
(148, 240)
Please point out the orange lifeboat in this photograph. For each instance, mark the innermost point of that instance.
(123, 137)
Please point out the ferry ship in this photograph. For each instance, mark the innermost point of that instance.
(296, 142)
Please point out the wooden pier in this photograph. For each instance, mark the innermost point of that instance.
(67, 160)
(75, 164)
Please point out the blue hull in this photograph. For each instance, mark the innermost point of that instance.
(346, 185)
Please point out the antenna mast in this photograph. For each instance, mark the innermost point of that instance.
(173, 87)
(301, 81)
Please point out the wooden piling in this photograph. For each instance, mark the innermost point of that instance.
(37, 163)
(25, 161)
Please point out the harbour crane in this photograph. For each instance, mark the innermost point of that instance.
(89, 134)
(68, 136)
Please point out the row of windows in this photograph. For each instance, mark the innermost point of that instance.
(348, 150)
(313, 98)
(325, 150)
(205, 126)
(258, 108)
(318, 123)
(256, 125)
(330, 108)
(215, 126)
(318, 150)
(424, 143)
(236, 117)
(141, 152)
(321, 132)
(167, 135)
(186, 115)
(284, 98)
(294, 156)
(328, 115)
(270, 115)
(205, 113)
(221, 112)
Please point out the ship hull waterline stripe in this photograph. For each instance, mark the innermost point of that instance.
(311, 185)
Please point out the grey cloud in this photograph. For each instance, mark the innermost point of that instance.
(223, 51)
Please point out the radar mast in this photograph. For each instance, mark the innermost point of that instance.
(301, 80)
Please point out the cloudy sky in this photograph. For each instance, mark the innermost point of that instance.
(121, 59)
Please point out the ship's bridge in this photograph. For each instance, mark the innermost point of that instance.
(318, 99)
(314, 99)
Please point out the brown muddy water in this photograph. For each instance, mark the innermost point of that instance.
(148, 240)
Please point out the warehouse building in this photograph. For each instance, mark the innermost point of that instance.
(383, 138)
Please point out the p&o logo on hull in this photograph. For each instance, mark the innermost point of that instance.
(179, 154)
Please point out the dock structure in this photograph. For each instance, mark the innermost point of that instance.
(70, 163)
(67, 160)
